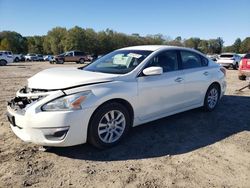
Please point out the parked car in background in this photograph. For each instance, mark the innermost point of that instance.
(5, 58)
(100, 102)
(30, 57)
(229, 60)
(57, 59)
(71, 56)
(39, 57)
(47, 57)
(244, 67)
(8, 53)
(18, 57)
(214, 57)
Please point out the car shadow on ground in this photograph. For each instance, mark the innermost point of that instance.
(177, 134)
(18, 65)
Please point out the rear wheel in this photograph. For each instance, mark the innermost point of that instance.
(212, 97)
(81, 61)
(108, 125)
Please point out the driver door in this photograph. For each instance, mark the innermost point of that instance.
(69, 57)
(161, 94)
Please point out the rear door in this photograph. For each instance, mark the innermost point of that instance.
(197, 77)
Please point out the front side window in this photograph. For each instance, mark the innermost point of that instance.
(190, 60)
(118, 62)
(69, 54)
(167, 60)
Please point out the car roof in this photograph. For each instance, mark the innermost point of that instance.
(155, 48)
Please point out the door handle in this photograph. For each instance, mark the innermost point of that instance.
(179, 79)
(205, 73)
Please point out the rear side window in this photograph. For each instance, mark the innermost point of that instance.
(192, 60)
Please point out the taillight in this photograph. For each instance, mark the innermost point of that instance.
(248, 62)
(223, 70)
(244, 63)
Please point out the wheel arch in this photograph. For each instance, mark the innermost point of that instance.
(121, 101)
(213, 83)
(217, 84)
(4, 61)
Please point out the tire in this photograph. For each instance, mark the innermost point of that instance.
(105, 131)
(235, 67)
(211, 98)
(81, 61)
(60, 61)
(16, 59)
(3, 62)
(242, 77)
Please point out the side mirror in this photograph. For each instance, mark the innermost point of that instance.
(151, 71)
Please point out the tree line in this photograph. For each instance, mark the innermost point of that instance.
(59, 40)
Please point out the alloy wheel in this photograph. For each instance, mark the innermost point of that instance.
(111, 126)
(212, 98)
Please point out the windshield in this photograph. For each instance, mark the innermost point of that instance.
(118, 62)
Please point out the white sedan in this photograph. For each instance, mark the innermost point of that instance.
(125, 88)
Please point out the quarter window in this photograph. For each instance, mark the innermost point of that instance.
(168, 60)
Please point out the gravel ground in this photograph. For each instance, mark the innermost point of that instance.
(190, 149)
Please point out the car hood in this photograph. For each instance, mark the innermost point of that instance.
(67, 77)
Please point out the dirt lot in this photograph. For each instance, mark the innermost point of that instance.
(191, 149)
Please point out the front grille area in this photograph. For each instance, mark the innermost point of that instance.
(25, 97)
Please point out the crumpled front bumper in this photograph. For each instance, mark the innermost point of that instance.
(54, 128)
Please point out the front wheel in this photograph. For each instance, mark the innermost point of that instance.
(212, 98)
(60, 61)
(108, 125)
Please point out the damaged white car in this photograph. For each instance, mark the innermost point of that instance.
(99, 103)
